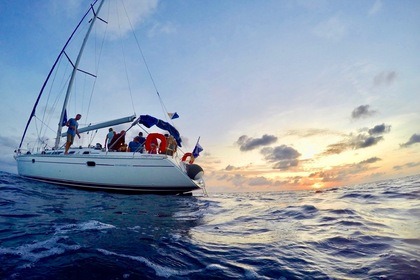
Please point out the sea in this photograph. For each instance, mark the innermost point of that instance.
(367, 231)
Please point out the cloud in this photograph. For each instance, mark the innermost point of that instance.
(359, 141)
(376, 7)
(342, 173)
(370, 160)
(231, 167)
(362, 112)
(283, 156)
(407, 165)
(132, 13)
(385, 78)
(259, 181)
(336, 174)
(336, 148)
(8, 142)
(311, 132)
(237, 180)
(159, 28)
(332, 29)
(379, 129)
(415, 138)
(312, 5)
(247, 144)
(363, 141)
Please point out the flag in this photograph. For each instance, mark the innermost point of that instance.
(64, 121)
(197, 150)
(173, 115)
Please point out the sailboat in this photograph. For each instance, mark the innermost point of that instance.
(154, 169)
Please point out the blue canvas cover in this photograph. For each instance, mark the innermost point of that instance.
(149, 121)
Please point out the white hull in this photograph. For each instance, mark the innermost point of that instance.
(114, 171)
(88, 167)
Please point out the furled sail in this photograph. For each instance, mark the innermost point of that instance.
(104, 124)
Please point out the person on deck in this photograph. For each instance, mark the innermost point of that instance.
(171, 145)
(118, 142)
(153, 146)
(142, 140)
(109, 137)
(72, 131)
(135, 146)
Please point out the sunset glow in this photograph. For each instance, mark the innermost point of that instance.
(284, 95)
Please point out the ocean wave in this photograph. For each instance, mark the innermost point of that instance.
(160, 270)
(36, 251)
(367, 231)
(80, 227)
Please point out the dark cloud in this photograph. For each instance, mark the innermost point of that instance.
(237, 180)
(337, 148)
(363, 141)
(415, 138)
(259, 181)
(327, 176)
(247, 144)
(379, 129)
(231, 167)
(8, 142)
(279, 153)
(385, 78)
(407, 165)
(240, 181)
(362, 111)
(311, 132)
(359, 141)
(286, 164)
(283, 156)
(345, 172)
(370, 160)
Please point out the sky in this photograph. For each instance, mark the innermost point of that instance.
(284, 95)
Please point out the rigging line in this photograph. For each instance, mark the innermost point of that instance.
(99, 56)
(125, 134)
(145, 62)
(69, 88)
(83, 95)
(92, 137)
(43, 123)
(49, 95)
(37, 133)
(49, 74)
(125, 62)
(64, 82)
(144, 130)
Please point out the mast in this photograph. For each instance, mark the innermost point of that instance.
(73, 74)
(49, 75)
